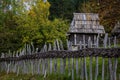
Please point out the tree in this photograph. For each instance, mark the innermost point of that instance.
(8, 35)
(64, 8)
(108, 10)
(34, 26)
(109, 13)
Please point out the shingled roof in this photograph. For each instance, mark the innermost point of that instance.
(86, 23)
(116, 29)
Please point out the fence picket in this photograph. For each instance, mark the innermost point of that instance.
(8, 67)
(103, 70)
(82, 69)
(96, 58)
(115, 69)
(61, 66)
(96, 69)
(64, 64)
(90, 45)
(69, 67)
(90, 68)
(110, 69)
(86, 76)
(72, 68)
(22, 63)
(85, 66)
(18, 69)
(77, 69)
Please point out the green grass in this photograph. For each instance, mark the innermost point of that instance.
(65, 76)
(13, 76)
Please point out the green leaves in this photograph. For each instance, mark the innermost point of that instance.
(34, 26)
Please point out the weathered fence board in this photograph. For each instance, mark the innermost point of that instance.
(83, 63)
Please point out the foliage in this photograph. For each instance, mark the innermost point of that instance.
(108, 10)
(66, 75)
(8, 34)
(19, 25)
(64, 8)
(36, 27)
(40, 21)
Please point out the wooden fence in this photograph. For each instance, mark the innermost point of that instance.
(92, 61)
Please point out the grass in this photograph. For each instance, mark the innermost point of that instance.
(65, 76)
(13, 76)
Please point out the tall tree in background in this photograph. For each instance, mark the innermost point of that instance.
(64, 8)
(108, 10)
(34, 26)
(109, 13)
(26, 21)
(30, 22)
(8, 34)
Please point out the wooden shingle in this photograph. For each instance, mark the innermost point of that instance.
(86, 23)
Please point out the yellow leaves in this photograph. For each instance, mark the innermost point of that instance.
(36, 27)
(32, 13)
(25, 39)
(43, 8)
(40, 11)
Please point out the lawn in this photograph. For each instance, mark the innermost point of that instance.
(65, 75)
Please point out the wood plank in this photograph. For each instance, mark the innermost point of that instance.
(72, 68)
(115, 68)
(103, 68)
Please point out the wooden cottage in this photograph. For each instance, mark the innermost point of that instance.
(116, 30)
(83, 26)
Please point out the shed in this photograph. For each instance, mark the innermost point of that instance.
(84, 25)
(116, 30)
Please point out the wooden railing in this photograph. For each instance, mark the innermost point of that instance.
(92, 63)
(94, 52)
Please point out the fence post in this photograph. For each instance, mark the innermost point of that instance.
(21, 65)
(8, 67)
(38, 67)
(69, 47)
(90, 64)
(103, 64)
(55, 60)
(115, 68)
(115, 61)
(96, 58)
(103, 61)
(50, 62)
(84, 46)
(81, 63)
(72, 68)
(18, 70)
(63, 60)
(61, 66)
(77, 69)
(110, 69)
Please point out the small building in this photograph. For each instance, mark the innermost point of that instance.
(83, 26)
(116, 30)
